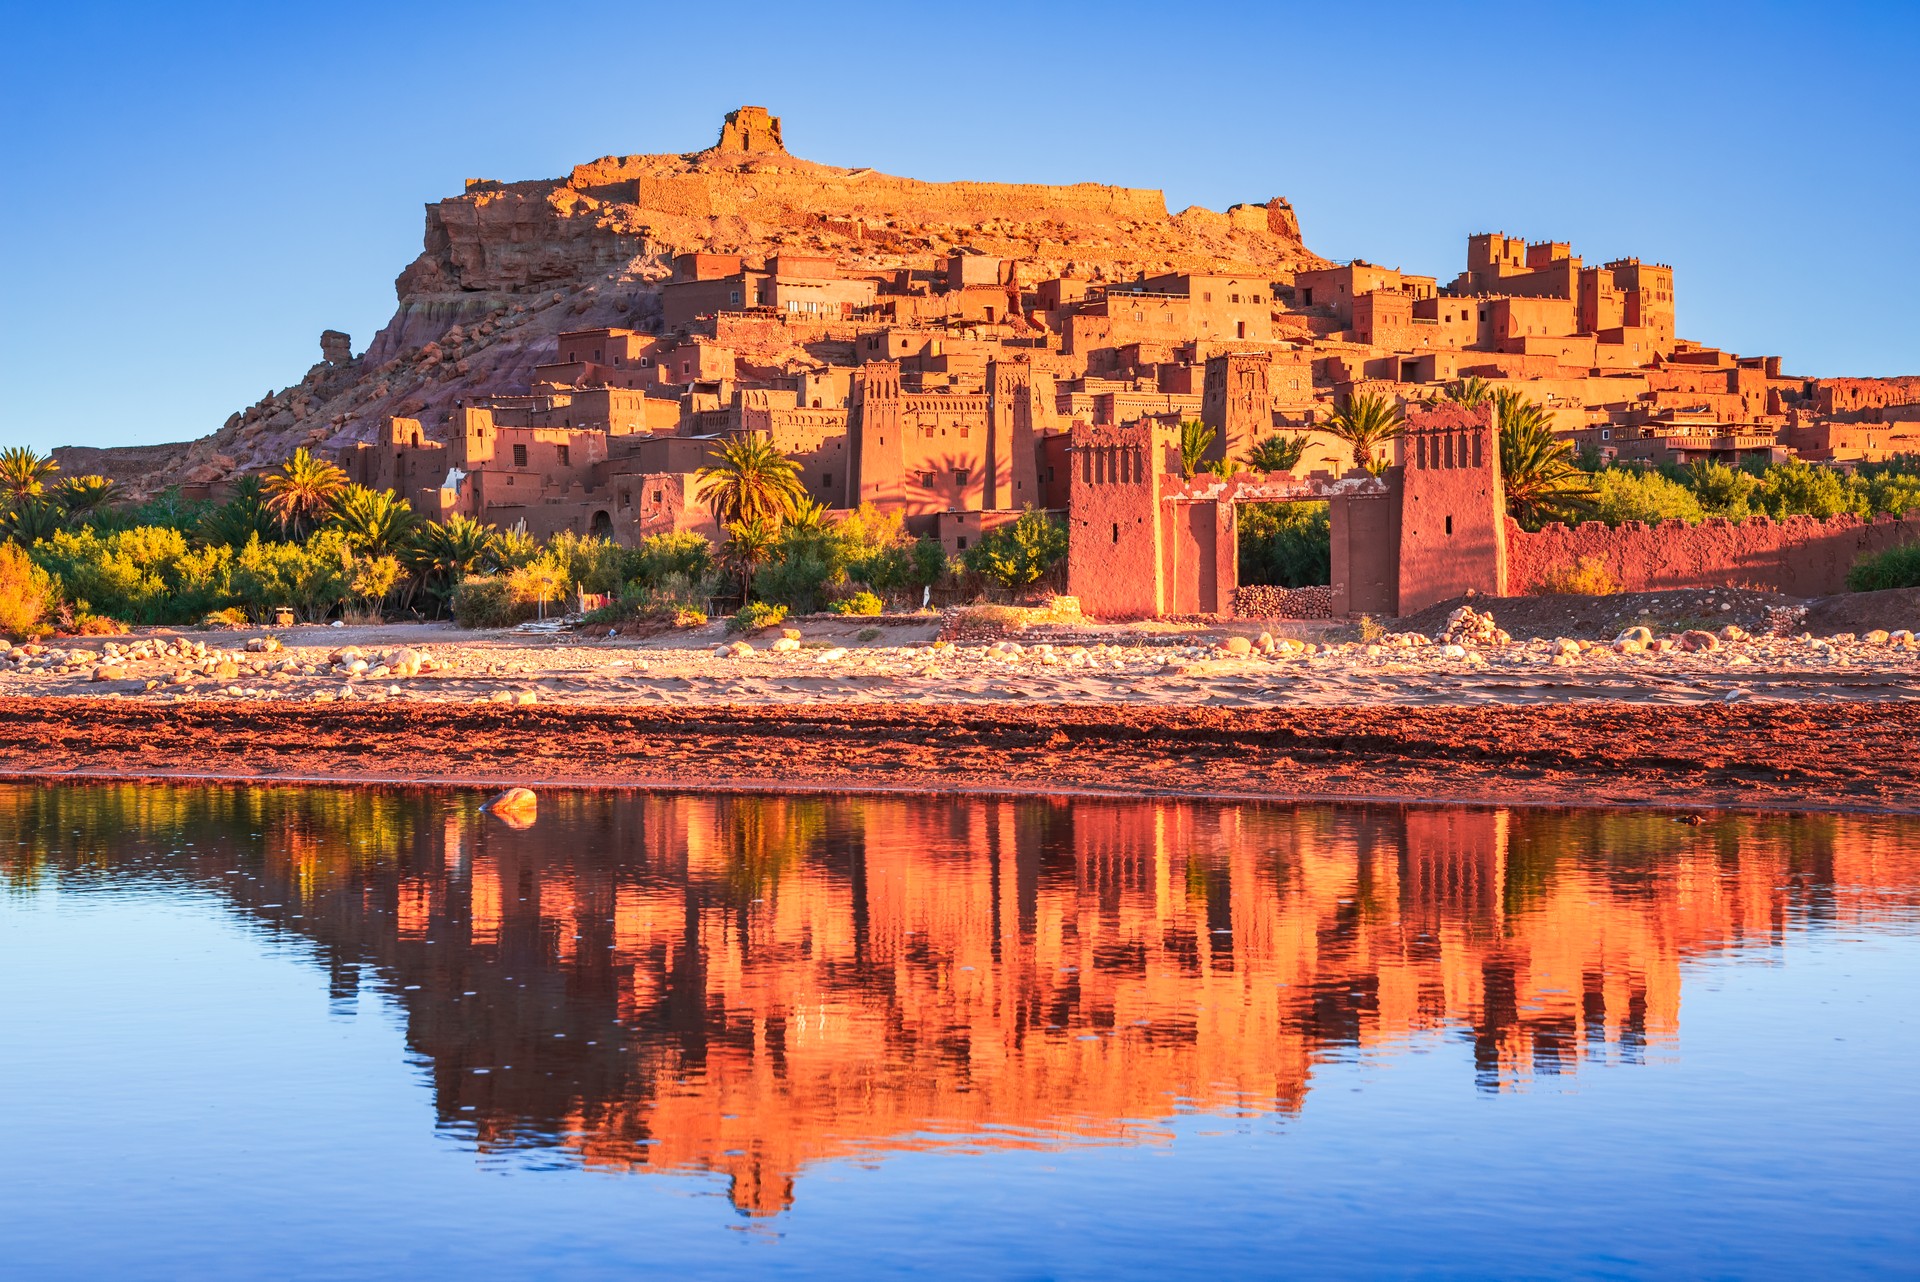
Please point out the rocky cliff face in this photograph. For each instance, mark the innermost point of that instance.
(506, 267)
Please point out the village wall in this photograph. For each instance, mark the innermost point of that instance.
(1800, 556)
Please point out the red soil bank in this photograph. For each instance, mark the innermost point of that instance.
(1853, 756)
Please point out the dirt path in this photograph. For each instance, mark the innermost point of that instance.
(1750, 756)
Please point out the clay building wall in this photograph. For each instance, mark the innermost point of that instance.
(403, 460)
(1334, 289)
(1365, 532)
(1852, 395)
(1826, 441)
(1800, 556)
(1452, 508)
(1237, 402)
(1115, 546)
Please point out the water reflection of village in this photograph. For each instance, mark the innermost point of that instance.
(748, 985)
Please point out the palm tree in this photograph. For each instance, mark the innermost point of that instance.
(1536, 468)
(750, 544)
(751, 481)
(1277, 453)
(376, 522)
(23, 473)
(242, 516)
(30, 520)
(82, 496)
(1472, 392)
(1195, 440)
(1367, 422)
(301, 493)
(809, 515)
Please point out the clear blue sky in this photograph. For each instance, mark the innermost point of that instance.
(196, 191)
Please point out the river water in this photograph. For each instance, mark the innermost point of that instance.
(282, 1032)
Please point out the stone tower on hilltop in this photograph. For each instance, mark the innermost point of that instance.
(750, 129)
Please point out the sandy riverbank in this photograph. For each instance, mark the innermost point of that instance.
(1780, 720)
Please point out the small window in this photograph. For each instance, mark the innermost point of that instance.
(656, 496)
(1449, 525)
(826, 478)
(926, 480)
(565, 455)
(961, 543)
(1116, 531)
(960, 475)
(519, 456)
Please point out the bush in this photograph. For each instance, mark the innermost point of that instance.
(1894, 568)
(660, 557)
(310, 578)
(591, 564)
(675, 601)
(1589, 576)
(147, 574)
(805, 564)
(1629, 494)
(868, 634)
(991, 618)
(1796, 488)
(858, 603)
(1018, 554)
(1288, 545)
(755, 615)
(27, 595)
(487, 601)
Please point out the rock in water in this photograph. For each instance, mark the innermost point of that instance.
(516, 807)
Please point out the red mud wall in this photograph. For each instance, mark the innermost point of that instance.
(1800, 556)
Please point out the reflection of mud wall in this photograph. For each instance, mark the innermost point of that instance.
(1801, 555)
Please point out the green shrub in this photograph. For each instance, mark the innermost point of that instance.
(27, 596)
(487, 601)
(804, 566)
(675, 601)
(591, 564)
(147, 574)
(310, 578)
(1629, 494)
(1288, 545)
(1797, 488)
(1016, 555)
(868, 634)
(1894, 568)
(755, 615)
(660, 557)
(858, 603)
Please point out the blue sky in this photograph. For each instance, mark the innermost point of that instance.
(196, 191)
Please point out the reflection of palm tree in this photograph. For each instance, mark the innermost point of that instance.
(1367, 422)
(766, 839)
(301, 492)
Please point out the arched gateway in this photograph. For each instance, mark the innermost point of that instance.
(1145, 542)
